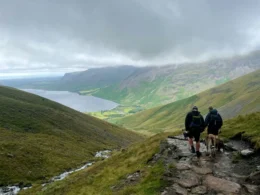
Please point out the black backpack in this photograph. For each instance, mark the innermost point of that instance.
(196, 121)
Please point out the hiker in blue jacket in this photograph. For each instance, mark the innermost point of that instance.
(214, 122)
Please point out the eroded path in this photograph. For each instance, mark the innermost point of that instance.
(206, 175)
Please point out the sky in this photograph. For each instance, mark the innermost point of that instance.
(45, 37)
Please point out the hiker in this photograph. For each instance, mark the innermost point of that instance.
(194, 124)
(214, 122)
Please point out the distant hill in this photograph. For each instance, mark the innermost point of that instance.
(156, 85)
(237, 97)
(40, 138)
(152, 86)
(95, 78)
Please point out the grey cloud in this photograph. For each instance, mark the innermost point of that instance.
(72, 35)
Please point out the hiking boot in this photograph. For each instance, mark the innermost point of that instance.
(198, 154)
(192, 149)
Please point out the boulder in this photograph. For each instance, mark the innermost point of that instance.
(201, 170)
(221, 185)
(188, 179)
(199, 190)
(179, 190)
(255, 177)
(10, 155)
(247, 152)
(252, 189)
(182, 166)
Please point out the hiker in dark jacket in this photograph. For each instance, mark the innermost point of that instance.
(214, 122)
(194, 124)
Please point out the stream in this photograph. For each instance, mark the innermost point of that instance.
(13, 190)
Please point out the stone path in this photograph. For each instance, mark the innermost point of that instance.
(205, 175)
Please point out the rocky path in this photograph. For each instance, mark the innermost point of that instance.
(204, 175)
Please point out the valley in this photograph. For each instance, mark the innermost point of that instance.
(41, 138)
(129, 97)
(236, 97)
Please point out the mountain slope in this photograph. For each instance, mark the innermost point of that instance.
(93, 78)
(151, 86)
(40, 138)
(239, 96)
(107, 177)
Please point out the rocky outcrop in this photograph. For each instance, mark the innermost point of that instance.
(222, 185)
(247, 152)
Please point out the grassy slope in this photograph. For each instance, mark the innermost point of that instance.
(99, 178)
(236, 97)
(40, 138)
(249, 123)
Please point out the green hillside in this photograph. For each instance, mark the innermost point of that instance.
(40, 138)
(233, 98)
(101, 177)
(249, 124)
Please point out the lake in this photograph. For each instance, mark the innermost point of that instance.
(75, 101)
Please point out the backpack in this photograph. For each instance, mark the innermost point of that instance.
(214, 119)
(196, 121)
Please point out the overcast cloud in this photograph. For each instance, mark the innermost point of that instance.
(43, 36)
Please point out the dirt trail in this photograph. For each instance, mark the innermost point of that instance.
(206, 175)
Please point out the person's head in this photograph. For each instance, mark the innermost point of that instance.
(195, 109)
(210, 108)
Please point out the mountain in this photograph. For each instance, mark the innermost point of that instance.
(95, 78)
(236, 97)
(41, 138)
(155, 85)
(152, 86)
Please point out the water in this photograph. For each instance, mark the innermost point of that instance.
(75, 101)
(13, 190)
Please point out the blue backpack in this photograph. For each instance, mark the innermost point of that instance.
(214, 118)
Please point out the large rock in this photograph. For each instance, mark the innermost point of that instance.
(221, 185)
(253, 189)
(247, 152)
(199, 190)
(188, 179)
(179, 190)
(182, 166)
(201, 170)
(255, 178)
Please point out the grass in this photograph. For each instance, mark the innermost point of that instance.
(100, 178)
(233, 98)
(116, 113)
(105, 176)
(41, 138)
(249, 123)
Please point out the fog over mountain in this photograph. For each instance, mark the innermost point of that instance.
(43, 37)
